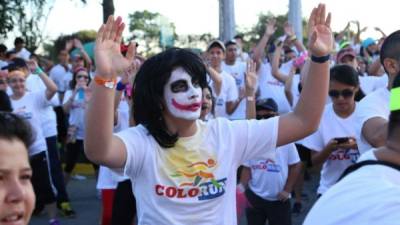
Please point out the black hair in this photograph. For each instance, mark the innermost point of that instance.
(9, 53)
(394, 118)
(17, 64)
(148, 99)
(5, 103)
(72, 83)
(213, 100)
(391, 47)
(13, 127)
(238, 36)
(3, 49)
(229, 43)
(346, 74)
(18, 40)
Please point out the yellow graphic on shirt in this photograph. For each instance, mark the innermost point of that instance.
(197, 172)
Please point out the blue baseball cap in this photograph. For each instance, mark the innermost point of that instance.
(367, 42)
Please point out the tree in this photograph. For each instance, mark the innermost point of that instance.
(149, 27)
(108, 9)
(255, 33)
(23, 16)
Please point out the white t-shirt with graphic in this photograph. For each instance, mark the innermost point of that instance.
(268, 177)
(373, 105)
(77, 113)
(369, 195)
(195, 181)
(29, 108)
(333, 126)
(229, 93)
(237, 71)
(272, 88)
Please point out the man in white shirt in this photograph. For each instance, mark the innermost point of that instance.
(237, 70)
(372, 117)
(270, 181)
(227, 95)
(20, 49)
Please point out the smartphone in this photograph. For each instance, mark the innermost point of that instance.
(341, 140)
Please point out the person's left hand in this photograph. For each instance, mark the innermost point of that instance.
(351, 144)
(283, 196)
(320, 34)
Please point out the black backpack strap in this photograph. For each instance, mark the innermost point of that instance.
(358, 165)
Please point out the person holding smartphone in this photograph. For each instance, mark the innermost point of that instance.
(334, 145)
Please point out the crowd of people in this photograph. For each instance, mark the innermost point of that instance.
(182, 138)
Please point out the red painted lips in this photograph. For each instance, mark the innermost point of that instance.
(192, 107)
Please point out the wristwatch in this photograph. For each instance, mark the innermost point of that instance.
(108, 83)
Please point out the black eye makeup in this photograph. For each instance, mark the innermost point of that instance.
(179, 86)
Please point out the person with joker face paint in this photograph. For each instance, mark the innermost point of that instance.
(182, 97)
(184, 168)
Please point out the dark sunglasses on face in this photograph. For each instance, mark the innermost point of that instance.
(82, 76)
(346, 93)
(3, 82)
(17, 80)
(267, 116)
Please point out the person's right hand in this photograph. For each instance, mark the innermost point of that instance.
(332, 145)
(320, 38)
(270, 27)
(109, 60)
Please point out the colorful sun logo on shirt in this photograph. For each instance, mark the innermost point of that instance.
(198, 171)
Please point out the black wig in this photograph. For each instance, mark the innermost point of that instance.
(148, 99)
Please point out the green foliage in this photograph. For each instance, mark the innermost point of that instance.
(255, 33)
(153, 30)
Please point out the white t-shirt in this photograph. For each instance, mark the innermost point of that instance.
(29, 108)
(237, 71)
(369, 195)
(61, 77)
(77, 113)
(268, 177)
(229, 93)
(333, 126)
(370, 84)
(48, 118)
(272, 88)
(195, 181)
(373, 105)
(107, 178)
(295, 90)
(23, 53)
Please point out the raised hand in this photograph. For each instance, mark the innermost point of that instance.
(270, 27)
(288, 28)
(320, 38)
(78, 43)
(251, 78)
(109, 60)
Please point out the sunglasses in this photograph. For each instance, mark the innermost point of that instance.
(266, 116)
(346, 93)
(82, 76)
(17, 80)
(3, 82)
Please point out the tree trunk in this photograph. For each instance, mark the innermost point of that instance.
(108, 9)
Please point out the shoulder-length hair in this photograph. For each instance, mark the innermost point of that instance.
(148, 99)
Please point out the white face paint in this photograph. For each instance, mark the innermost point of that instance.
(182, 97)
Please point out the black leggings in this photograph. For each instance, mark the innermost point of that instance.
(56, 170)
(72, 155)
(124, 206)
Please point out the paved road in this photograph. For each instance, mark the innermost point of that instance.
(87, 205)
